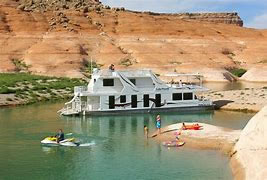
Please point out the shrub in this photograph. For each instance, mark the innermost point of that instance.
(6, 90)
(126, 62)
(19, 65)
(237, 71)
(88, 66)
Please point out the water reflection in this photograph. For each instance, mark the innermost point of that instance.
(109, 126)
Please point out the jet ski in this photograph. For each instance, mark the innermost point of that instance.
(52, 141)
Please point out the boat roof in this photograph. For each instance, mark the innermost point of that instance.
(127, 73)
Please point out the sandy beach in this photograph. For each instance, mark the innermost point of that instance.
(247, 100)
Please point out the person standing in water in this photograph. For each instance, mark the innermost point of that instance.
(146, 131)
(158, 123)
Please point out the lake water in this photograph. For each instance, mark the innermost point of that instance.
(119, 149)
(219, 86)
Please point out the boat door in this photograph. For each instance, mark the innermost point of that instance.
(158, 100)
(111, 100)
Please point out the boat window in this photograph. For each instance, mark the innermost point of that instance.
(122, 99)
(195, 97)
(188, 96)
(111, 100)
(158, 100)
(146, 100)
(108, 82)
(134, 101)
(133, 81)
(177, 96)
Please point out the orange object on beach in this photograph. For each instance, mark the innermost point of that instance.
(192, 127)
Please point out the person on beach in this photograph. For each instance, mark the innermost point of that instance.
(158, 123)
(183, 126)
(146, 131)
(60, 135)
(177, 134)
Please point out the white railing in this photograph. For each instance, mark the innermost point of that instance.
(80, 89)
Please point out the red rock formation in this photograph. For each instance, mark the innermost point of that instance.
(58, 42)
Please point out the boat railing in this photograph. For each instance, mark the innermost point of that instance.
(205, 102)
(80, 89)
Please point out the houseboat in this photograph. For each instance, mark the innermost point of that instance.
(115, 92)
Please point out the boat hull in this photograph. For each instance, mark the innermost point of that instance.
(138, 111)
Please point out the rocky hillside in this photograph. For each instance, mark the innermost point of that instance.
(56, 5)
(60, 37)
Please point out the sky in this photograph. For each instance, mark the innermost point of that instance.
(252, 12)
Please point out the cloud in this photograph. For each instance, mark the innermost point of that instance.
(259, 22)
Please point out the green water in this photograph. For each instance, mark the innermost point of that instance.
(120, 150)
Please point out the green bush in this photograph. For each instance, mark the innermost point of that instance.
(6, 90)
(126, 62)
(237, 71)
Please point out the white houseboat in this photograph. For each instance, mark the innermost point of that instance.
(111, 92)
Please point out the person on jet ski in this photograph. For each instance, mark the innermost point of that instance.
(60, 135)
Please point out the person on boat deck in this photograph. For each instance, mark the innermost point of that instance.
(111, 67)
(180, 83)
(158, 123)
(60, 135)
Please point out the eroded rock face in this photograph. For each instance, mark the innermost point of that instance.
(254, 135)
(226, 18)
(55, 5)
(251, 149)
(49, 41)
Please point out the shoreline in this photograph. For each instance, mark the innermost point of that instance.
(247, 100)
(23, 88)
(209, 138)
(245, 148)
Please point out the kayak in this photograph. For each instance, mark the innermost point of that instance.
(173, 143)
(192, 127)
(52, 141)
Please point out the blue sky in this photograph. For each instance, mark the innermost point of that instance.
(252, 12)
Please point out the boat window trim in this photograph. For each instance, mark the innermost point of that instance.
(111, 102)
(177, 96)
(133, 81)
(146, 100)
(108, 82)
(186, 96)
(134, 101)
(123, 99)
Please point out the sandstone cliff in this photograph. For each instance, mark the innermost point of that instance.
(251, 148)
(226, 18)
(59, 42)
